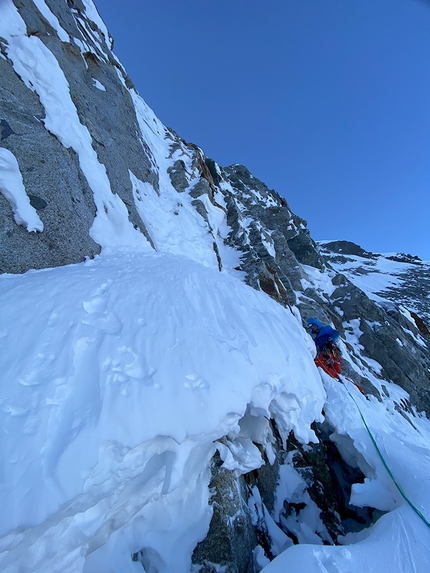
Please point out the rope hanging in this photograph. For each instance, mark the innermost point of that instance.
(398, 486)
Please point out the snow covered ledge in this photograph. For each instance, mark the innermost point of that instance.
(132, 367)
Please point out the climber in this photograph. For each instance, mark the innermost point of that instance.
(329, 356)
(323, 334)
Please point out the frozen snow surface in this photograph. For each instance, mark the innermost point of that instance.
(118, 376)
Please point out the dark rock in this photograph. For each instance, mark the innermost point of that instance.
(214, 170)
(37, 202)
(202, 187)
(347, 248)
(231, 537)
(178, 176)
(404, 258)
(329, 481)
(5, 130)
(305, 251)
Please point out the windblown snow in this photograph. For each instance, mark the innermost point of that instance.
(119, 375)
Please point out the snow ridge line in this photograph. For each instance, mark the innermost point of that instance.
(384, 463)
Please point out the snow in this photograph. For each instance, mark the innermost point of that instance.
(267, 201)
(389, 279)
(105, 448)
(172, 222)
(260, 558)
(418, 339)
(52, 19)
(11, 22)
(93, 15)
(399, 541)
(320, 281)
(353, 332)
(240, 456)
(269, 246)
(98, 85)
(279, 540)
(373, 276)
(12, 188)
(171, 219)
(94, 43)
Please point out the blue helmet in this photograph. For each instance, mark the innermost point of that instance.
(315, 321)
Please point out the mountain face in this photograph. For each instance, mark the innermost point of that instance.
(391, 280)
(91, 181)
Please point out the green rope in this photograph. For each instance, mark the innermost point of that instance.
(398, 486)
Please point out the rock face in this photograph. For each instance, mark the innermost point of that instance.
(395, 320)
(111, 132)
(50, 168)
(405, 278)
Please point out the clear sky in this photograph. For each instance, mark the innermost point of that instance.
(326, 101)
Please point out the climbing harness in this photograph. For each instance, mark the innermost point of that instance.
(330, 360)
(384, 463)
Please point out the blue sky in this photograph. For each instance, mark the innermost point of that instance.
(326, 101)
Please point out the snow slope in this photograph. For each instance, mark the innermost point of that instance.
(118, 376)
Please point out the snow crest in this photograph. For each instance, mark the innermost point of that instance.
(119, 375)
